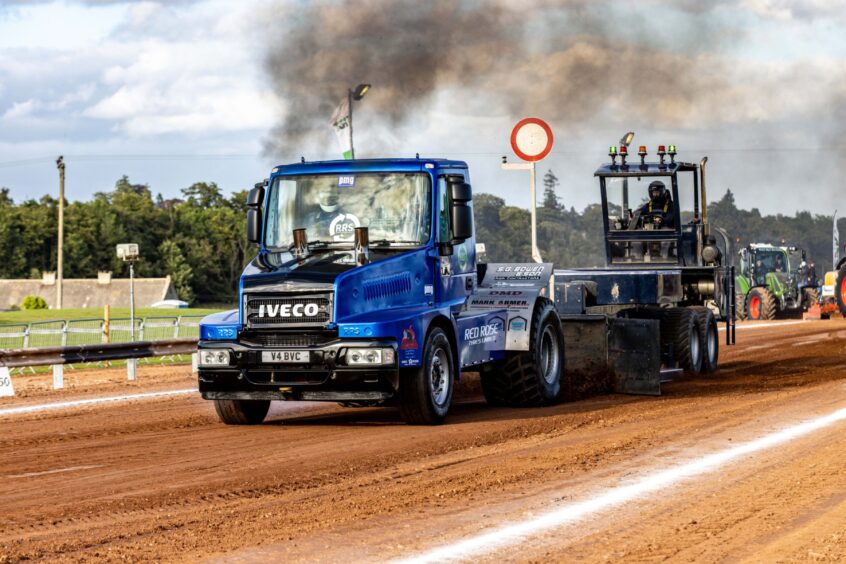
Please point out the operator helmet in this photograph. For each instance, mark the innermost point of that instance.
(657, 190)
(327, 197)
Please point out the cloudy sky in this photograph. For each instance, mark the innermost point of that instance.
(171, 93)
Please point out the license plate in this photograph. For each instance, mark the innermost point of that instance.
(295, 357)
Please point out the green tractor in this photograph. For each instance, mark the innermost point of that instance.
(774, 280)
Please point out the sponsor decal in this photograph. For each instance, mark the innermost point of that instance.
(288, 310)
(517, 324)
(446, 266)
(343, 227)
(346, 181)
(409, 339)
(483, 334)
(520, 272)
(462, 257)
(615, 291)
(428, 290)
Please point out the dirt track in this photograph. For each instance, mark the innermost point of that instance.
(163, 480)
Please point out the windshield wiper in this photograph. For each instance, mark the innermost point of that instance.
(390, 242)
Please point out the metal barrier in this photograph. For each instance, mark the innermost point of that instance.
(93, 331)
(77, 354)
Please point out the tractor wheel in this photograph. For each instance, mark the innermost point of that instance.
(760, 304)
(709, 339)
(810, 298)
(533, 377)
(425, 393)
(740, 306)
(679, 328)
(242, 412)
(840, 290)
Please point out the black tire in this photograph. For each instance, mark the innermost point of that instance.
(533, 377)
(760, 304)
(425, 393)
(242, 412)
(709, 338)
(840, 290)
(740, 306)
(679, 328)
(810, 298)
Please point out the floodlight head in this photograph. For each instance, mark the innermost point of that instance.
(360, 91)
(128, 252)
(627, 139)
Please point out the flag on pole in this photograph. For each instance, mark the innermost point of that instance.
(835, 238)
(341, 125)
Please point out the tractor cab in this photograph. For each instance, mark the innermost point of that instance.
(643, 214)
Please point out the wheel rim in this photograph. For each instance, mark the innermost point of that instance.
(712, 343)
(439, 375)
(843, 291)
(695, 350)
(755, 307)
(549, 355)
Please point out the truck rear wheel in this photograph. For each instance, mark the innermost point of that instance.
(533, 377)
(709, 339)
(680, 328)
(242, 412)
(760, 304)
(425, 393)
(840, 290)
(740, 306)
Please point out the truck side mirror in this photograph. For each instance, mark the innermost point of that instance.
(461, 214)
(254, 225)
(254, 200)
(255, 197)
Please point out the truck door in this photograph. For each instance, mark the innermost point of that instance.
(457, 271)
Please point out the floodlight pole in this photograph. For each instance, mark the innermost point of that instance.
(60, 164)
(131, 302)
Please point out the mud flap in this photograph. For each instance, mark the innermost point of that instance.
(634, 356)
(603, 354)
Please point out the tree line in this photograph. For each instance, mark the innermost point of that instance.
(199, 239)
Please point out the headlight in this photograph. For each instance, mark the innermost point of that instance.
(359, 357)
(212, 357)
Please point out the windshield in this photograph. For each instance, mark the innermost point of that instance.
(395, 207)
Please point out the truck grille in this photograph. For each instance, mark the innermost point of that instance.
(288, 311)
(292, 339)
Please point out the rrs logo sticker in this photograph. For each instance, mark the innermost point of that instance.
(343, 227)
(288, 310)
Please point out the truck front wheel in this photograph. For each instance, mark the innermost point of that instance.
(425, 393)
(533, 377)
(242, 412)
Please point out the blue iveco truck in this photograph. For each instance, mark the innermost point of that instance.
(366, 291)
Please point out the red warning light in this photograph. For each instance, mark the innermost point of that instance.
(661, 150)
(624, 150)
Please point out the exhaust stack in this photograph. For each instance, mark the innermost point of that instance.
(300, 247)
(362, 246)
(706, 229)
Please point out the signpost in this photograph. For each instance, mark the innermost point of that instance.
(531, 140)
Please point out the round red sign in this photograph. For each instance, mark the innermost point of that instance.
(531, 139)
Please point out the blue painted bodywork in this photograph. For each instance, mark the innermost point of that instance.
(399, 295)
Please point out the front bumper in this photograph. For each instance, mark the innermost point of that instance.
(326, 377)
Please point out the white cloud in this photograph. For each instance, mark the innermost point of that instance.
(20, 109)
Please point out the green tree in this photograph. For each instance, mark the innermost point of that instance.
(550, 198)
(178, 269)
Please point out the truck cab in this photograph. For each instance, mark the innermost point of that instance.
(358, 293)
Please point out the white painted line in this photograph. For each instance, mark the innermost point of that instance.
(514, 534)
(763, 325)
(56, 471)
(93, 401)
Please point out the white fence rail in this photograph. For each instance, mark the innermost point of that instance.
(93, 331)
